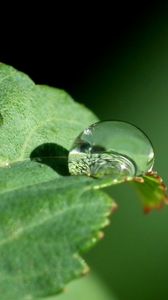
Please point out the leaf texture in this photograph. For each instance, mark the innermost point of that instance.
(46, 219)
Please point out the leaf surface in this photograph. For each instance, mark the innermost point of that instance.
(152, 190)
(46, 219)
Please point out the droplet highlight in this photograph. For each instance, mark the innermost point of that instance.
(113, 148)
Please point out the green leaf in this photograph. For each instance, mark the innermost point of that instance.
(152, 191)
(46, 219)
(32, 115)
(89, 287)
(43, 228)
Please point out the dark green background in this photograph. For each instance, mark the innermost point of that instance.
(120, 71)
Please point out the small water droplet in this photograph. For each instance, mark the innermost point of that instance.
(113, 148)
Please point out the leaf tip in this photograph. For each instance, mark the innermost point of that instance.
(85, 271)
(114, 207)
(138, 179)
(158, 207)
(100, 235)
(153, 191)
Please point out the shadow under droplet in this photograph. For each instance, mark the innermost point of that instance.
(52, 155)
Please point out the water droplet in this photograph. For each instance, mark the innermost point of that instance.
(113, 148)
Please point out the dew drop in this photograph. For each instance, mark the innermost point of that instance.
(114, 148)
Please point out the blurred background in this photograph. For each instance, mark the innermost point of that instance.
(116, 62)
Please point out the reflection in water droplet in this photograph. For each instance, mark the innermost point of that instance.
(111, 148)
